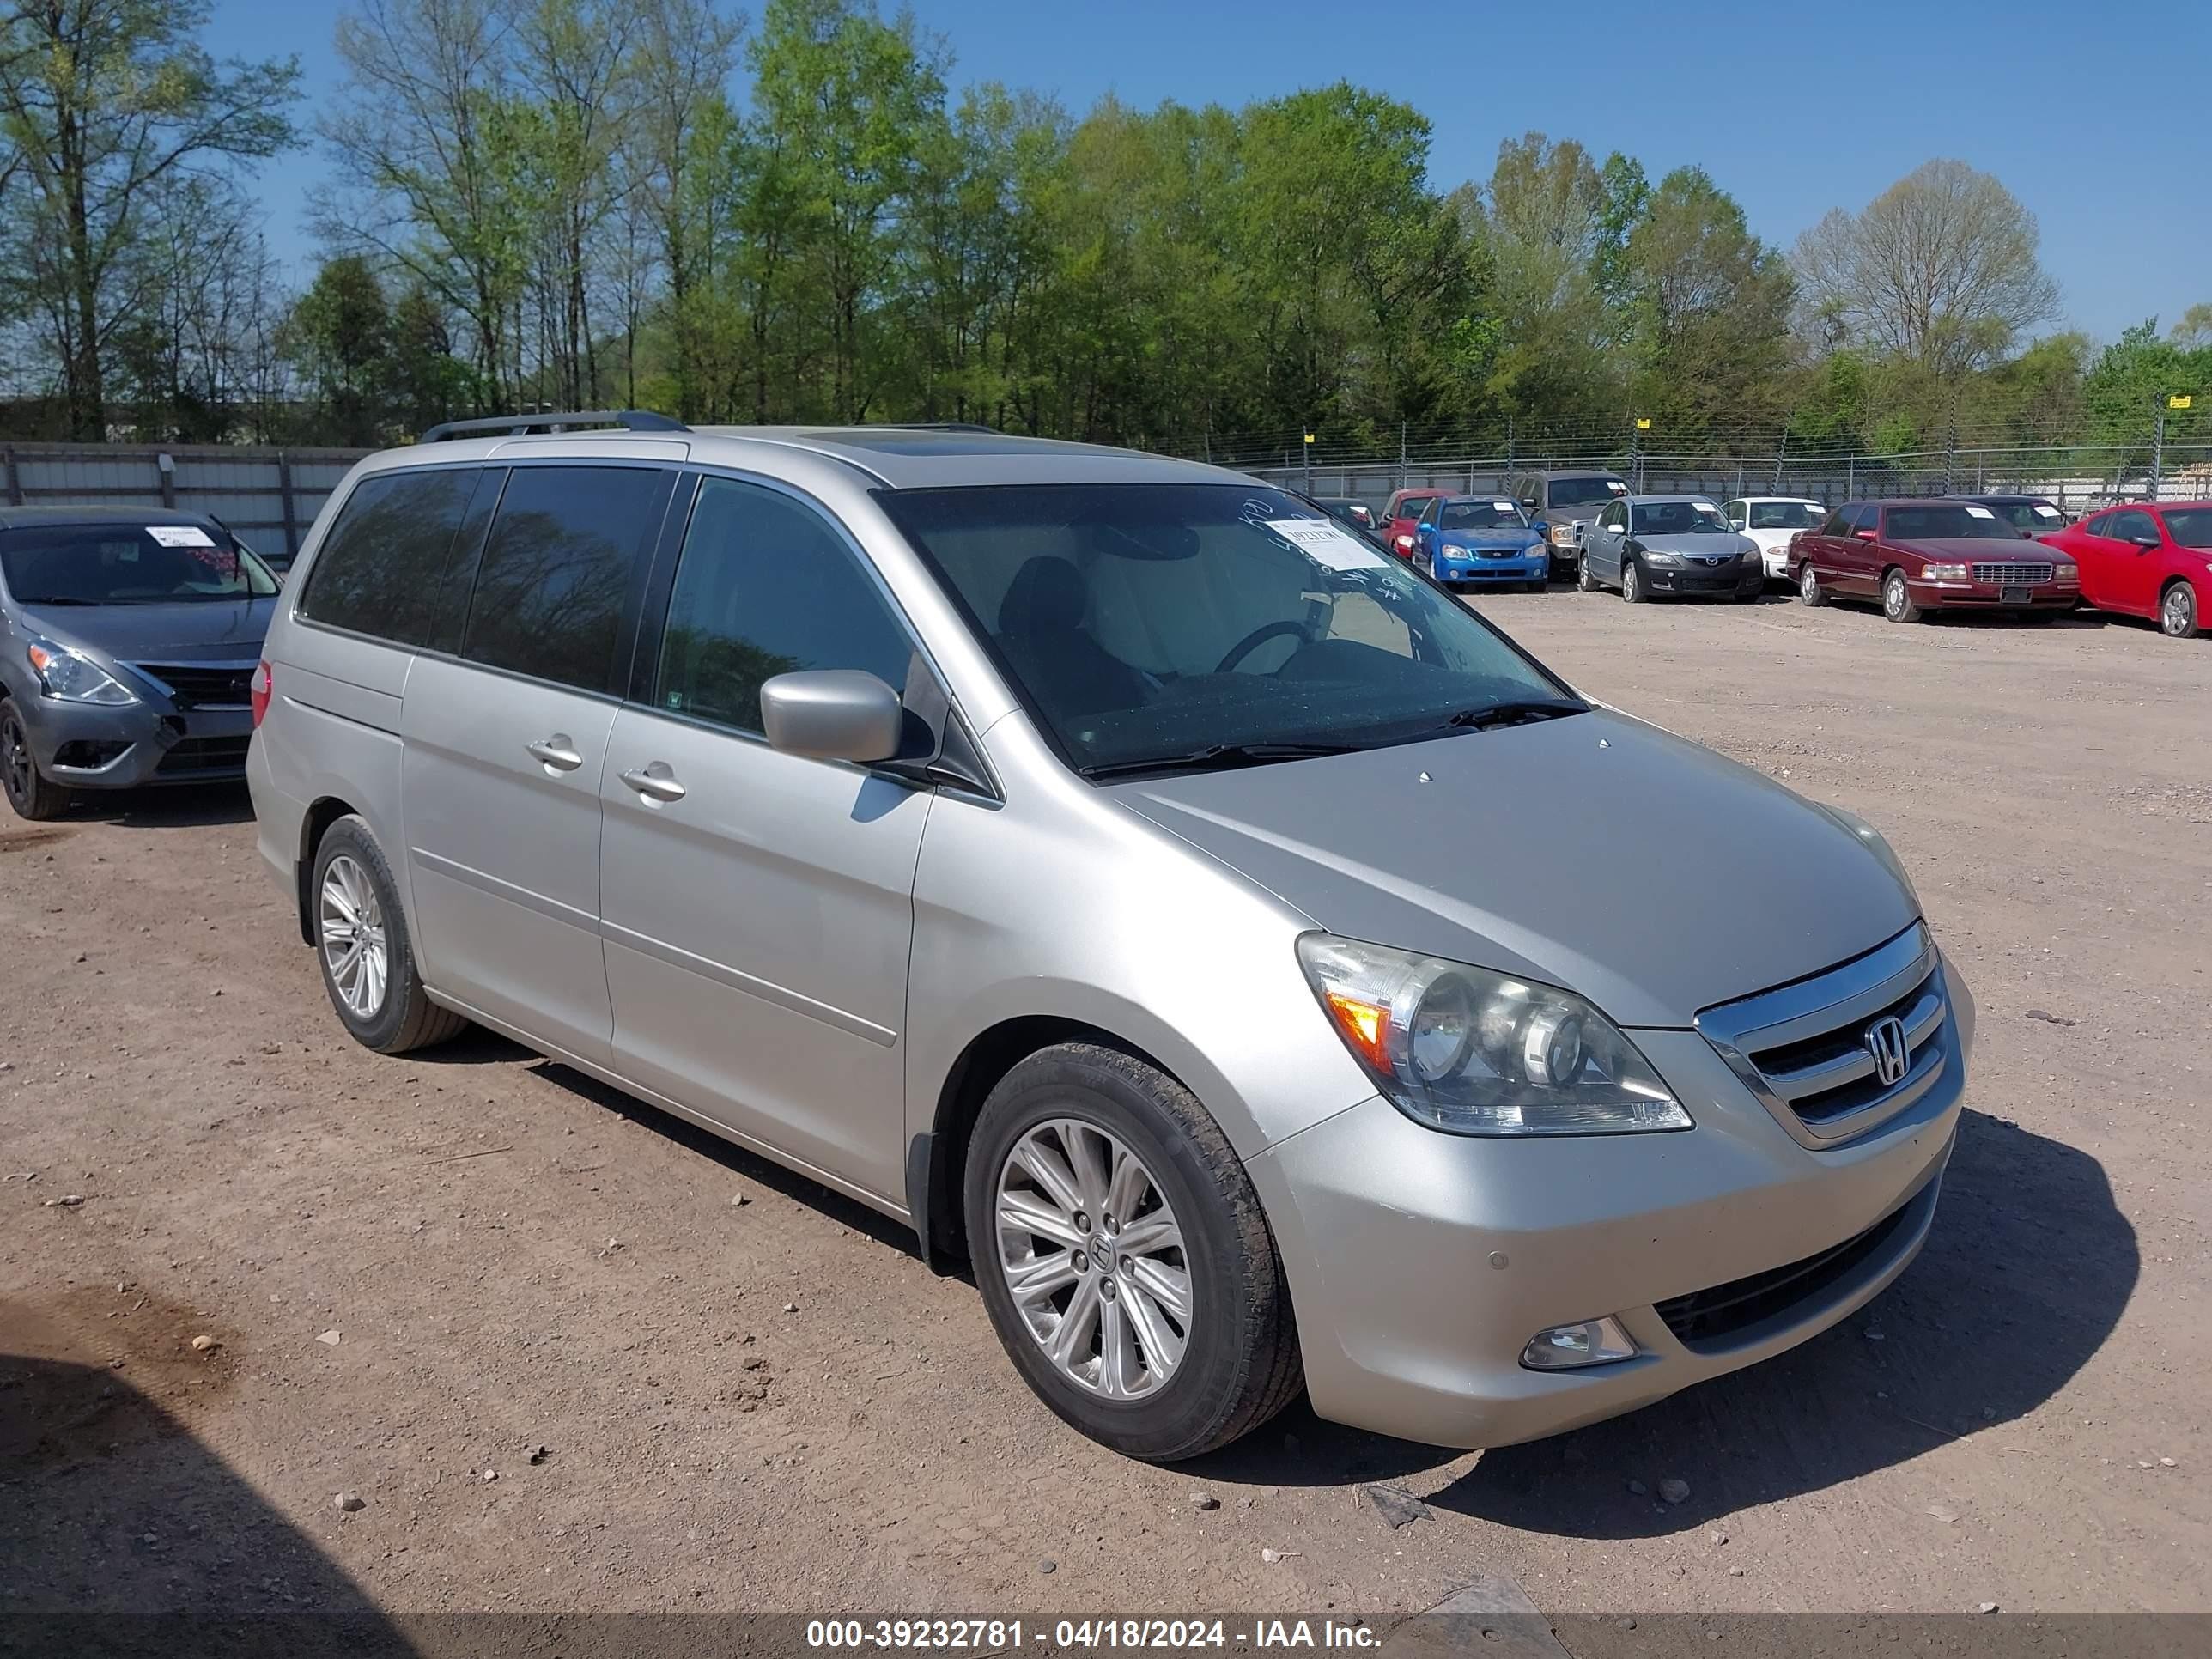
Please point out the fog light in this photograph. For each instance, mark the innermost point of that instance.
(1566, 1347)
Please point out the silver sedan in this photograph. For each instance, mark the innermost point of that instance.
(1649, 546)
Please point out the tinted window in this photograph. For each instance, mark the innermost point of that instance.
(383, 565)
(125, 563)
(2099, 525)
(1482, 515)
(1582, 492)
(2190, 527)
(1678, 518)
(2128, 526)
(556, 572)
(766, 587)
(1784, 515)
(1862, 517)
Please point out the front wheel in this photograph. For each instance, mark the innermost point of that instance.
(1585, 581)
(1897, 600)
(2177, 612)
(1123, 1256)
(30, 791)
(1809, 590)
(1632, 582)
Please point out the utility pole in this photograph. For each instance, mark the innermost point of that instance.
(1635, 449)
(1401, 454)
(1310, 441)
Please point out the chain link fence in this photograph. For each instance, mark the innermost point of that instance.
(2076, 477)
(268, 498)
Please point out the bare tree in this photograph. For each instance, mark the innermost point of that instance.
(1941, 269)
(103, 103)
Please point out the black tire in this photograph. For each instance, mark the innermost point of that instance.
(32, 794)
(1240, 1364)
(405, 1019)
(1584, 582)
(1632, 582)
(1809, 591)
(1897, 599)
(2177, 612)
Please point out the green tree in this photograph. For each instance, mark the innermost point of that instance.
(339, 338)
(103, 103)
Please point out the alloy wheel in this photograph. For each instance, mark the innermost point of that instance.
(1093, 1257)
(354, 951)
(2177, 612)
(1809, 585)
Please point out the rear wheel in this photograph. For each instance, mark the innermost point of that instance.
(362, 942)
(30, 791)
(1124, 1258)
(2177, 612)
(1809, 590)
(1897, 600)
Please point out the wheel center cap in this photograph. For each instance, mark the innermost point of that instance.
(1102, 1254)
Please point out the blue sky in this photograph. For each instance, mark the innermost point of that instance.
(2095, 116)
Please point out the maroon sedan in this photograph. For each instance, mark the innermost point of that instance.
(1918, 556)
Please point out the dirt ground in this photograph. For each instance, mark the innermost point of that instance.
(527, 1323)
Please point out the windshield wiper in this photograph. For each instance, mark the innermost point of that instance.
(1514, 713)
(1217, 755)
(59, 601)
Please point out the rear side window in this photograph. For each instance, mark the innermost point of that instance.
(765, 587)
(557, 573)
(381, 570)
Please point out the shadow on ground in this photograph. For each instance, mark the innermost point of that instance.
(120, 1530)
(172, 806)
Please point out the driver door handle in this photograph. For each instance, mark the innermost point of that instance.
(557, 751)
(655, 783)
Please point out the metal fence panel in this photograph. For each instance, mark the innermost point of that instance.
(270, 496)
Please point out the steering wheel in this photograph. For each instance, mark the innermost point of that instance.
(1258, 637)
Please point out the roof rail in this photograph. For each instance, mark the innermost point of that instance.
(933, 426)
(630, 420)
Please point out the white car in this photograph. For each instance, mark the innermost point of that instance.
(1771, 521)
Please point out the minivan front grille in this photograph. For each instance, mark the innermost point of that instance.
(2014, 575)
(1837, 1054)
(205, 684)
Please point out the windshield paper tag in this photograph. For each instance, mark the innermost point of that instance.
(179, 535)
(1502, 507)
(1323, 543)
(1980, 512)
(2048, 513)
(1616, 486)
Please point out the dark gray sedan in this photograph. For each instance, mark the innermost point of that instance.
(1651, 545)
(128, 639)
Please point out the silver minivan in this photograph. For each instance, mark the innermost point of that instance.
(1245, 957)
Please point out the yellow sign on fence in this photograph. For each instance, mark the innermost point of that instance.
(1643, 424)
(2179, 400)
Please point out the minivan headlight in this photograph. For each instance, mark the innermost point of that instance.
(1476, 1053)
(69, 677)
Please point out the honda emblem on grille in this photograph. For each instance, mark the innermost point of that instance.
(1885, 1040)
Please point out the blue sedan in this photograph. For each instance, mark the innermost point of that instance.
(1481, 538)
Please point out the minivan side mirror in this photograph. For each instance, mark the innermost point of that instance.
(832, 714)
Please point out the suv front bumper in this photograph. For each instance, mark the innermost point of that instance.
(1421, 1263)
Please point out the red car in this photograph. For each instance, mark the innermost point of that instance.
(1920, 556)
(2152, 561)
(1402, 513)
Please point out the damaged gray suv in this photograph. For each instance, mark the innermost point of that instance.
(1193, 918)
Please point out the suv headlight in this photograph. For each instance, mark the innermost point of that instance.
(1476, 1053)
(65, 675)
(1562, 535)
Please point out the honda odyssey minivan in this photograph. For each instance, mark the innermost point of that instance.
(1188, 917)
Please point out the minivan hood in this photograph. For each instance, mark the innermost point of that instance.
(1594, 852)
(197, 631)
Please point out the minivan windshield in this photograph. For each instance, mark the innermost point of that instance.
(1192, 625)
(122, 563)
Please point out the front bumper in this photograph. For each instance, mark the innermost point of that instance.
(1734, 579)
(1777, 561)
(89, 746)
(1993, 596)
(1514, 566)
(1421, 1264)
